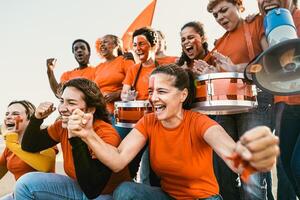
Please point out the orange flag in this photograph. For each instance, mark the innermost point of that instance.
(143, 19)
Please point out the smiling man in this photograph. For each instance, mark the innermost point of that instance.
(82, 51)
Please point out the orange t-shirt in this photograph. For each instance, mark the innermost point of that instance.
(234, 45)
(14, 164)
(106, 132)
(142, 83)
(88, 73)
(293, 99)
(166, 60)
(180, 156)
(109, 76)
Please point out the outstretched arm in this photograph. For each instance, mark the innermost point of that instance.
(257, 147)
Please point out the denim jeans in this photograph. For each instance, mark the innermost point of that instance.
(138, 191)
(145, 167)
(9, 196)
(39, 185)
(290, 144)
(236, 125)
(285, 190)
(122, 131)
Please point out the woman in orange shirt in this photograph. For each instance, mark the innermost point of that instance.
(181, 143)
(16, 120)
(110, 74)
(135, 85)
(82, 51)
(86, 177)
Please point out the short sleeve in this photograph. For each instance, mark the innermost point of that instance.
(55, 131)
(3, 157)
(203, 123)
(141, 126)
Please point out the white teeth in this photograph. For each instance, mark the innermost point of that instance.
(267, 8)
(159, 108)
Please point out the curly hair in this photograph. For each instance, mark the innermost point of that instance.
(29, 107)
(92, 96)
(149, 33)
(198, 27)
(212, 3)
(116, 40)
(183, 79)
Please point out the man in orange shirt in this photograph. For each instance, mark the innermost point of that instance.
(82, 51)
(287, 117)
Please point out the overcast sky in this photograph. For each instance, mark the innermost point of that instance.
(33, 30)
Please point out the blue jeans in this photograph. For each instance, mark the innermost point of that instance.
(290, 144)
(122, 131)
(145, 167)
(138, 191)
(285, 190)
(236, 125)
(9, 196)
(39, 185)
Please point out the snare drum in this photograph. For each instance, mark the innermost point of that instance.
(224, 93)
(128, 113)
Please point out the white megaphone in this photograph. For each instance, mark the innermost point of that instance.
(277, 69)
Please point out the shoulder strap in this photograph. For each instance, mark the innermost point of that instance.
(136, 77)
(248, 41)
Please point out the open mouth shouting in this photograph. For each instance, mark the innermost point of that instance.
(270, 7)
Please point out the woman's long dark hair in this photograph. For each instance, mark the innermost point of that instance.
(198, 27)
(92, 96)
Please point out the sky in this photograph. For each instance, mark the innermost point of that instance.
(34, 30)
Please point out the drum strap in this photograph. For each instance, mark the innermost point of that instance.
(138, 74)
(136, 77)
(248, 41)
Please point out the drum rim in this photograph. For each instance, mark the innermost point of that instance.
(241, 105)
(125, 125)
(220, 75)
(132, 104)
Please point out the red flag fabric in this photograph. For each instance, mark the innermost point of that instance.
(143, 19)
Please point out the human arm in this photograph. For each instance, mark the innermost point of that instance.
(116, 158)
(3, 168)
(258, 147)
(112, 96)
(51, 77)
(224, 63)
(91, 174)
(127, 94)
(34, 138)
(201, 67)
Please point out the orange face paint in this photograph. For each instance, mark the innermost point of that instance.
(18, 120)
